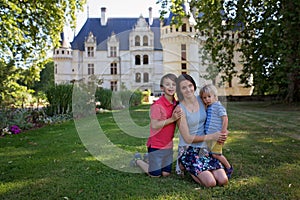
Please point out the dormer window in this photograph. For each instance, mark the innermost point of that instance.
(90, 51)
(145, 41)
(137, 41)
(113, 51)
(113, 46)
(90, 45)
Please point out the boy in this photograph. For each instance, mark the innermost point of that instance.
(162, 128)
(216, 120)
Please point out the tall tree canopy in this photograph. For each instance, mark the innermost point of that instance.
(269, 38)
(29, 29)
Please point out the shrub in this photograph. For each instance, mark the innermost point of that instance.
(60, 99)
(116, 100)
(104, 97)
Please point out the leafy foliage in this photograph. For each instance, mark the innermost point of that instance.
(29, 29)
(116, 100)
(268, 38)
(60, 99)
(46, 78)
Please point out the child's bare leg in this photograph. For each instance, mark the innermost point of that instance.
(223, 160)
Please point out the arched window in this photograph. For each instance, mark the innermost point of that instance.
(137, 60)
(146, 77)
(145, 41)
(145, 60)
(137, 41)
(138, 77)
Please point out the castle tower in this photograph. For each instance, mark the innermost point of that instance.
(62, 57)
(181, 49)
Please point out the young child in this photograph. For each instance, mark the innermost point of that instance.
(162, 128)
(216, 121)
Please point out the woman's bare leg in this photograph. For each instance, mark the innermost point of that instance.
(206, 179)
(220, 176)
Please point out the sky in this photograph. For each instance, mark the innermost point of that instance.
(115, 8)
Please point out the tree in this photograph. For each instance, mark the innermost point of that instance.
(269, 35)
(46, 78)
(29, 29)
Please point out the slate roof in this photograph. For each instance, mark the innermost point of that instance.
(120, 26)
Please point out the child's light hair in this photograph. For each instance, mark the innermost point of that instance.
(209, 89)
(170, 76)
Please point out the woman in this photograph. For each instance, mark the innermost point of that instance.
(194, 157)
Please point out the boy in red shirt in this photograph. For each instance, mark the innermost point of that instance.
(162, 128)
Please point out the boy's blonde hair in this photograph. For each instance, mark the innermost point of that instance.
(209, 89)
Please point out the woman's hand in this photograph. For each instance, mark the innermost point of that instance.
(223, 137)
(219, 137)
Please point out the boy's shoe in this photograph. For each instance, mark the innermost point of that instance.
(137, 156)
(146, 158)
(229, 172)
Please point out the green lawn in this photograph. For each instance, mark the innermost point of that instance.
(65, 161)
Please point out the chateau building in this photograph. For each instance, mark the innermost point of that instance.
(134, 53)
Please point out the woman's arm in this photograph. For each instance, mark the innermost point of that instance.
(188, 138)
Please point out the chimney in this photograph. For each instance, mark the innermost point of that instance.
(150, 16)
(103, 17)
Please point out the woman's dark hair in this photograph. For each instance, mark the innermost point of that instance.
(181, 78)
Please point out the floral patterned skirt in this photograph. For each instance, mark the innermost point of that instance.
(196, 160)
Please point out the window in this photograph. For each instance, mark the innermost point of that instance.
(90, 51)
(145, 41)
(138, 77)
(113, 85)
(90, 69)
(55, 69)
(183, 28)
(137, 41)
(146, 77)
(183, 51)
(113, 51)
(145, 60)
(137, 60)
(113, 68)
(183, 68)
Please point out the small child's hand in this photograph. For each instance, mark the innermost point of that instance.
(177, 113)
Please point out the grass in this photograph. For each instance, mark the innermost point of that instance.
(73, 161)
